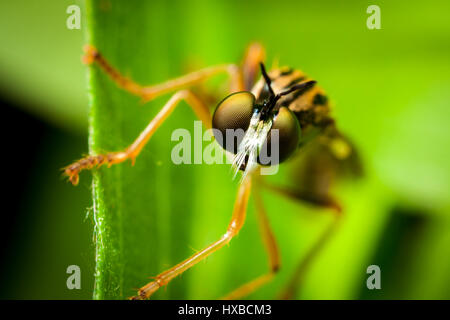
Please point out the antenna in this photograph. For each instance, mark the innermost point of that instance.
(266, 78)
(270, 104)
(302, 86)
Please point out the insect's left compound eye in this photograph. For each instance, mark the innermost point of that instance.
(288, 128)
(234, 112)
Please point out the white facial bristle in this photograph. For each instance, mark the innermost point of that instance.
(251, 144)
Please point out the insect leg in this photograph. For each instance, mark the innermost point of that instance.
(294, 283)
(148, 93)
(89, 162)
(236, 223)
(270, 246)
(254, 55)
(312, 198)
(318, 200)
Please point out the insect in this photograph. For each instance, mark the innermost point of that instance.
(283, 99)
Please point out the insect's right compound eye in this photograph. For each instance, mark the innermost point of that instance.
(234, 112)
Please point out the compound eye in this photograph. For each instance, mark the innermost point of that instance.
(234, 112)
(288, 132)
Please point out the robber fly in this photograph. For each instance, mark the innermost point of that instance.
(283, 99)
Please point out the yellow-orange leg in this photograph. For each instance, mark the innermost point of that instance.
(295, 282)
(270, 246)
(325, 201)
(236, 223)
(312, 198)
(148, 93)
(89, 162)
(254, 55)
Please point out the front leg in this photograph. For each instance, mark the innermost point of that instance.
(236, 223)
(147, 93)
(271, 247)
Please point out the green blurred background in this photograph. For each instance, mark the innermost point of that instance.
(390, 89)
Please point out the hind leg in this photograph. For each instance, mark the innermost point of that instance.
(318, 200)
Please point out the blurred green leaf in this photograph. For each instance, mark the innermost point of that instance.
(40, 61)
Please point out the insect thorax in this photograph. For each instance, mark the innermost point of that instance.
(310, 106)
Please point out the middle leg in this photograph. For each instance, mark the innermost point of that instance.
(92, 161)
